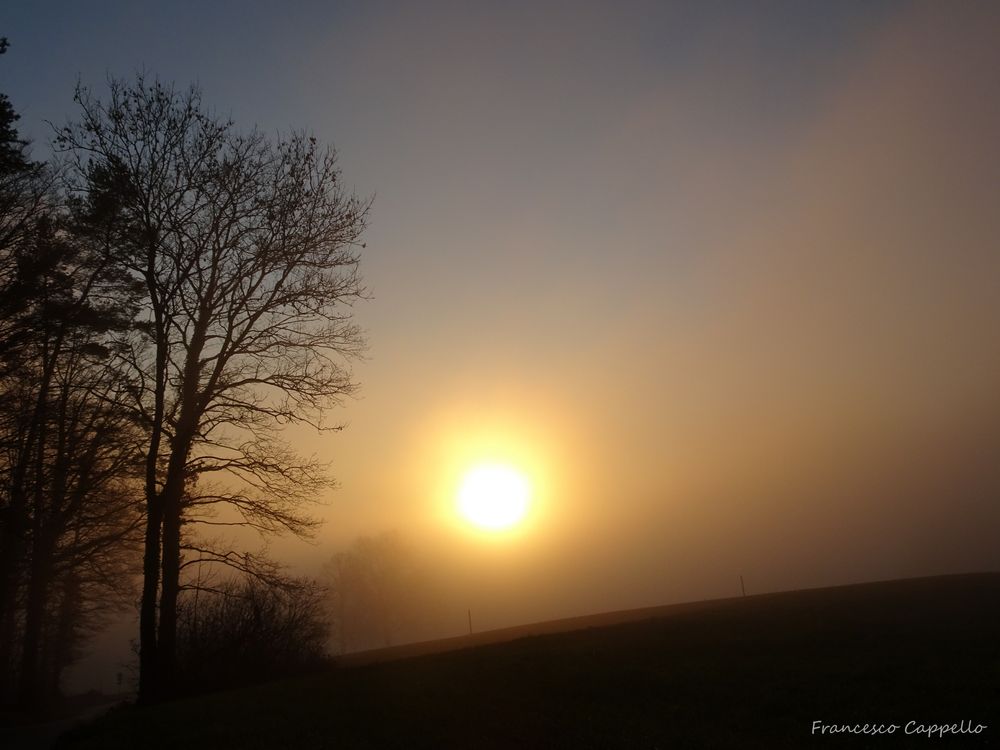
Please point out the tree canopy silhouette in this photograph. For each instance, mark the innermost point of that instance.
(246, 253)
(67, 447)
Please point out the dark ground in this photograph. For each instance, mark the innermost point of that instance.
(35, 734)
(743, 673)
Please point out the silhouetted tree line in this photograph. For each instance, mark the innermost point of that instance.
(173, 293)
(68, 448)
(247, 630)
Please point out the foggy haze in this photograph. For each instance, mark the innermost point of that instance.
(728, 291)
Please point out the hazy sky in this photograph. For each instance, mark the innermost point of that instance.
(724, 278)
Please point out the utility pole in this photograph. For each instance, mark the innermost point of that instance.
(470, 622)
(742, 587)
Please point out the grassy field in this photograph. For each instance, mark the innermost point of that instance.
(753, 672)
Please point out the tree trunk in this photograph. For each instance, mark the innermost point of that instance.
(148, 657)
(15, 527)
(172, 498)
(11, 544)
(167, 642)
(29, 685)
(8, 631)
(64, 635)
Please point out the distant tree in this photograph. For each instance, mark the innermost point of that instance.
(247, 253)
(374, 591)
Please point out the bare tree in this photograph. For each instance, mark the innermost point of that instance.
(70, 449)
(82, 508)
(66, 446)
(247, 252)
(24, 192)
(242, 630)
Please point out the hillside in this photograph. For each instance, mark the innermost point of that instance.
(753, 672)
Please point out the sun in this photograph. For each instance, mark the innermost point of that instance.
(494, 497)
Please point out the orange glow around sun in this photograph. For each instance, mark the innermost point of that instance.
(493, 474)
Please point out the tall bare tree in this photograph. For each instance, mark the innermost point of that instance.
(68, 447)
(83, 512)
(24, 188)
(247, 250)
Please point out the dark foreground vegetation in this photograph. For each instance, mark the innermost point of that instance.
(754, 672)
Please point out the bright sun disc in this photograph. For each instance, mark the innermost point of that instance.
(493, 496)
